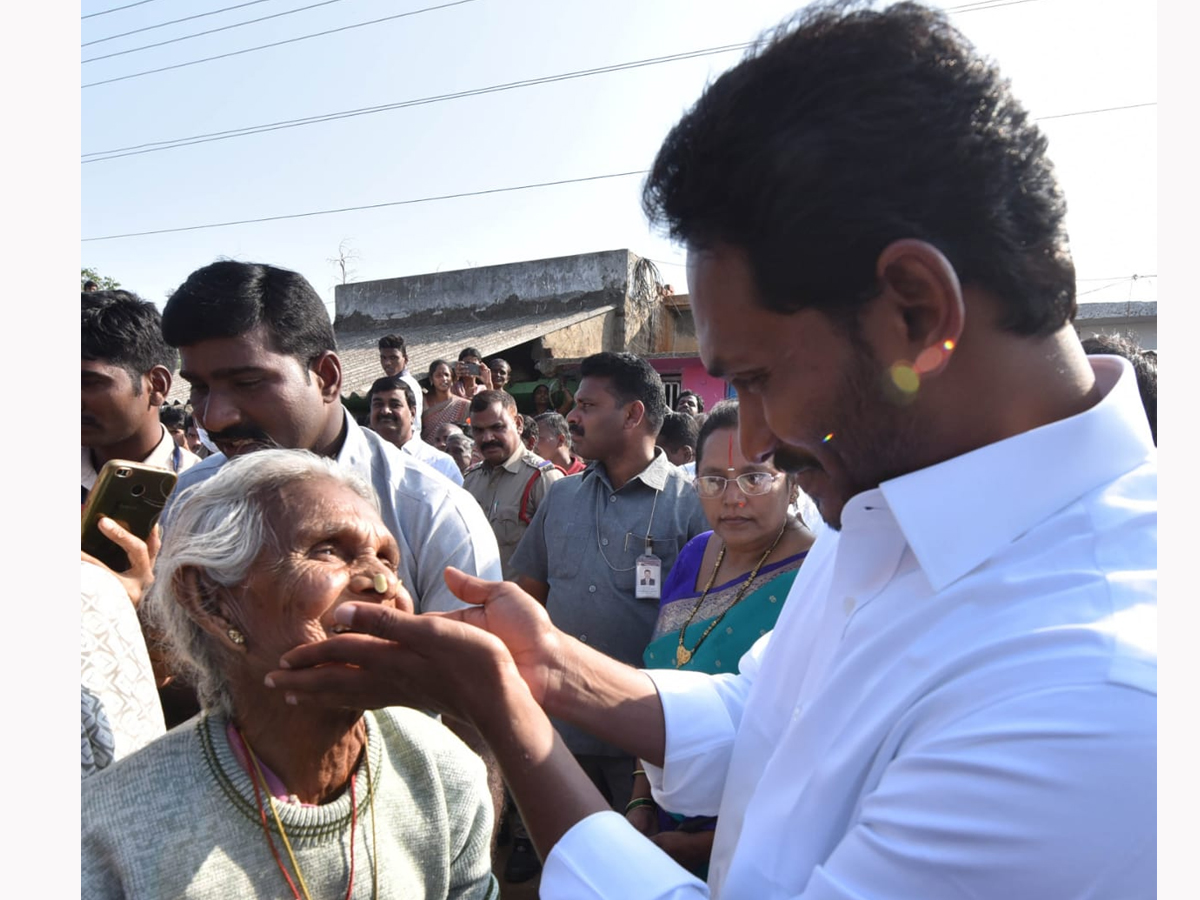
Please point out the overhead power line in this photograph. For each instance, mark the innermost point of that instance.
(196, 34)
(113, 37)
(966, 7)
(327, 212)
(1088, 112)
(154, 146)
(105, 12)
(303, 37)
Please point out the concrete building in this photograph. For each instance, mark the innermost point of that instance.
(531, 313)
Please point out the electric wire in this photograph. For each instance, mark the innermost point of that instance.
(154, 146)
(966, 7)
(196, 34)
(113, 37)
(105, 12)
(303, 37)
(326, 212)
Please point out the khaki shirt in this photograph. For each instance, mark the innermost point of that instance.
(499, 491)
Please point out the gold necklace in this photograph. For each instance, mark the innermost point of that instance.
(682, 654)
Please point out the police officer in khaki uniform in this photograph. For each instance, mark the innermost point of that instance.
(511, 481)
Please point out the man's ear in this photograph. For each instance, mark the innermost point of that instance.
(635, 414)
(688, 453)
(199, 596)
(917, 318)
(328, 369)
(519, 421)
(159, 379)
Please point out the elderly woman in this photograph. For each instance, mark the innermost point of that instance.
(257, 797)
(724, 592)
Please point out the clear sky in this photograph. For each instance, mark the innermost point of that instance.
(1063, 56)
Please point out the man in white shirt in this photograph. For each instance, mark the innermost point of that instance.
(393, 409)
(393, 357)
(959, 698)
(125, 376)
(257, 348)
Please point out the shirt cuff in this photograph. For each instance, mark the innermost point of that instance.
(699, 742)
(603, 856)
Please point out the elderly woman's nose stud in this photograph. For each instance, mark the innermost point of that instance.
(236, 636)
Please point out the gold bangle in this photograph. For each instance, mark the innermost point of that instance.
(637, 802)
(637, 772)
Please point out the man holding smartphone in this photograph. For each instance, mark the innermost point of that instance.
(125, 374)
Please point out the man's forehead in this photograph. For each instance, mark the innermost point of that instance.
(595, 387)
(389, 397)
(252, 348)
(492, 415)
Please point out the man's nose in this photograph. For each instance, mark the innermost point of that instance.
(754, 436)
(217, 413)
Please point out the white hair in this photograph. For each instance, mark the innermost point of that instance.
(220, 527)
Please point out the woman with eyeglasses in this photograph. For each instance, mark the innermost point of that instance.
(724, 592)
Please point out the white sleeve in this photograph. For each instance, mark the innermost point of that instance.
(703, 713)
(578, 870)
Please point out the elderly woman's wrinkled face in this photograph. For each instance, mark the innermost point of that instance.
(334, 549)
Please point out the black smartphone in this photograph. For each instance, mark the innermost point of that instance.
(132, 495)
(472, 368)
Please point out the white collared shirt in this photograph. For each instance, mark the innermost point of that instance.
(412, 382)
(164, 455)
(958, 700)
(434, 458)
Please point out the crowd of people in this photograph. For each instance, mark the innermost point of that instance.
(881, 625)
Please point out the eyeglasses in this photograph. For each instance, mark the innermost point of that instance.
(752, 484)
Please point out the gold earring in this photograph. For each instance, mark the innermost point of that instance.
(236, 636)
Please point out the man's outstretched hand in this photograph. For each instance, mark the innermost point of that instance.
(457, 663)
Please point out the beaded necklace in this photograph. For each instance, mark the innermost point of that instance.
(302, 893)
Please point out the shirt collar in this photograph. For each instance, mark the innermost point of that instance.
(513, 463)
(356, 451)
(959, 513)
(160, 456)
(654, 476)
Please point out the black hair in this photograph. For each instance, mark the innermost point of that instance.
(120, 328)
(699, 400)
(228, 299)
(484, 399)
(849, 129)
(390, 383)
(90, 286)
(630, 378)
(469, 353)
(173, 417)
(678, 430)
(530, 432)
(440, 362)
(723, 415)
(393, 342)
(1145, 369)
(553, 423)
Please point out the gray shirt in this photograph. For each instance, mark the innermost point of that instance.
(436, 523)
(584, 542)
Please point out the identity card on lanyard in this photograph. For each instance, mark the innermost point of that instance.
(647, 576)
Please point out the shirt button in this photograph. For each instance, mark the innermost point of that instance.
(604, 541)
(591, 589)
(848, 605)
(612, 498)
(583, 638)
